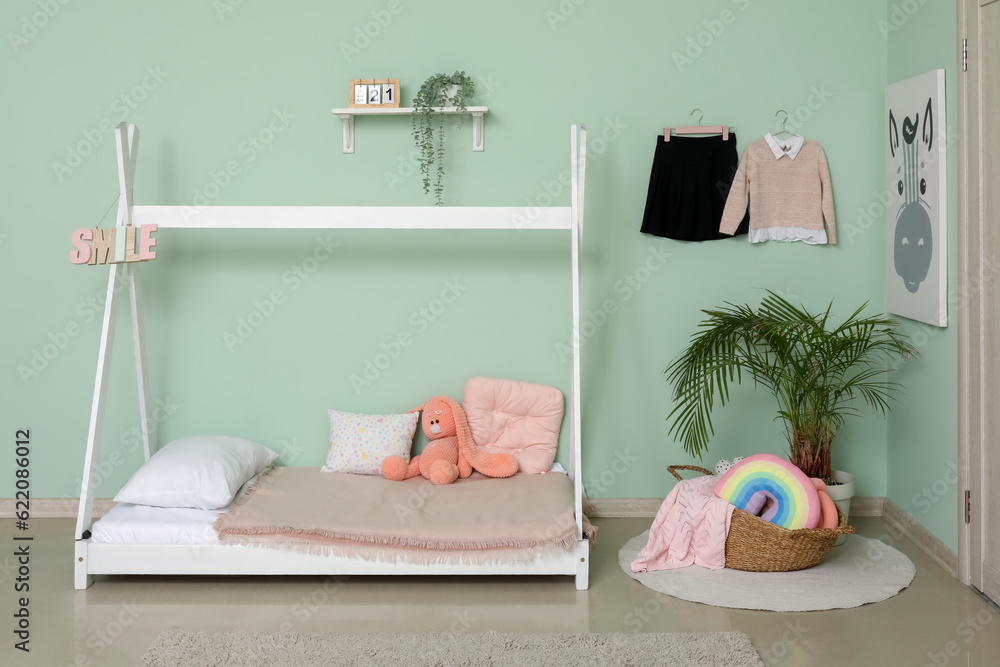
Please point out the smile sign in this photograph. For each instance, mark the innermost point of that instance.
(125, 243)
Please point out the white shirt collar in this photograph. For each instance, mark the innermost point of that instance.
(780, 147)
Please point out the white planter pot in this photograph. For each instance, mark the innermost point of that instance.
(841, 495)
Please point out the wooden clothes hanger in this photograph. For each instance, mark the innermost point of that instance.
(699, 128)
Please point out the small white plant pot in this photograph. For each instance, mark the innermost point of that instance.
(841, 495)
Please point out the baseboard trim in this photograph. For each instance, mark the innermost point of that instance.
(867, 506)
(54, 508)
(605, 508)
(904, 524)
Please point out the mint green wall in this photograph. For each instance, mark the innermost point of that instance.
(222, 78)
(923, 431)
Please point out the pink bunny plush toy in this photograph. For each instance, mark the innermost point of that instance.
(452, 453)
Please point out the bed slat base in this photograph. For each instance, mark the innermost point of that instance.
(156, 559)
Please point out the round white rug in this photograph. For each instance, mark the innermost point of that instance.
(859, 571)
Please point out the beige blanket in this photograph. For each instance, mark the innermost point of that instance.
(476, 519)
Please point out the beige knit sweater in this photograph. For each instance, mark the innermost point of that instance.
(789, 199)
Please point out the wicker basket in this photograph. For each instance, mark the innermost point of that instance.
(756, 545)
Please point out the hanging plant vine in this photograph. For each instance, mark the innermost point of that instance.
(437, 92)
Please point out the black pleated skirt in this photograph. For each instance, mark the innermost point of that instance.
(688, 187)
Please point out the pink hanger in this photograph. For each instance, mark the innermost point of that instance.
(698, 129)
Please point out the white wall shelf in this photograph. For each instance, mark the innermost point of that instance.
(347, 116)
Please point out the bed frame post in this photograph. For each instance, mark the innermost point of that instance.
(578, 156)
(128, 147)
(578, 163)
(81, 580)
(139, 343)
(581, 556)
(127, 139)
(97, 405)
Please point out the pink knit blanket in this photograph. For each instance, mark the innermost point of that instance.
(690, 529)
(473, 519)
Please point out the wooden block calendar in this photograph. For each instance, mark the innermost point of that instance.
(373, 93)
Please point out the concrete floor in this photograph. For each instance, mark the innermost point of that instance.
(936, 621)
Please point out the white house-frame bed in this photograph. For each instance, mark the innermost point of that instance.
(92, 558)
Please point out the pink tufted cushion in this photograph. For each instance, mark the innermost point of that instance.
(516, 417)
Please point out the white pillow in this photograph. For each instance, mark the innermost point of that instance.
(201, 472)
(358, 443)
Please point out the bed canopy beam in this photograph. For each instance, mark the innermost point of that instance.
(353, 217)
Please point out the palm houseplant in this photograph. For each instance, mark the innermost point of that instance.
(815, 369)
(440, 90)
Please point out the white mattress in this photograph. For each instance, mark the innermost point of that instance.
(126, 523)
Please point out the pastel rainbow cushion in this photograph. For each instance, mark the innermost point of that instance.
(772, 488)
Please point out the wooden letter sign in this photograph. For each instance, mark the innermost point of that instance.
(116, 244)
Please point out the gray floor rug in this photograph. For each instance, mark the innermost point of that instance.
(249, 649)
(857, 572)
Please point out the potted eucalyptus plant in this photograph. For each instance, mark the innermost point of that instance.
(440, 90)
(815, 370)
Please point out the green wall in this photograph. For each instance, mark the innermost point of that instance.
(923, 431)
(220, 78)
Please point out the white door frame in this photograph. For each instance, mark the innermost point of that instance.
(972, 331)
(969, 323)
